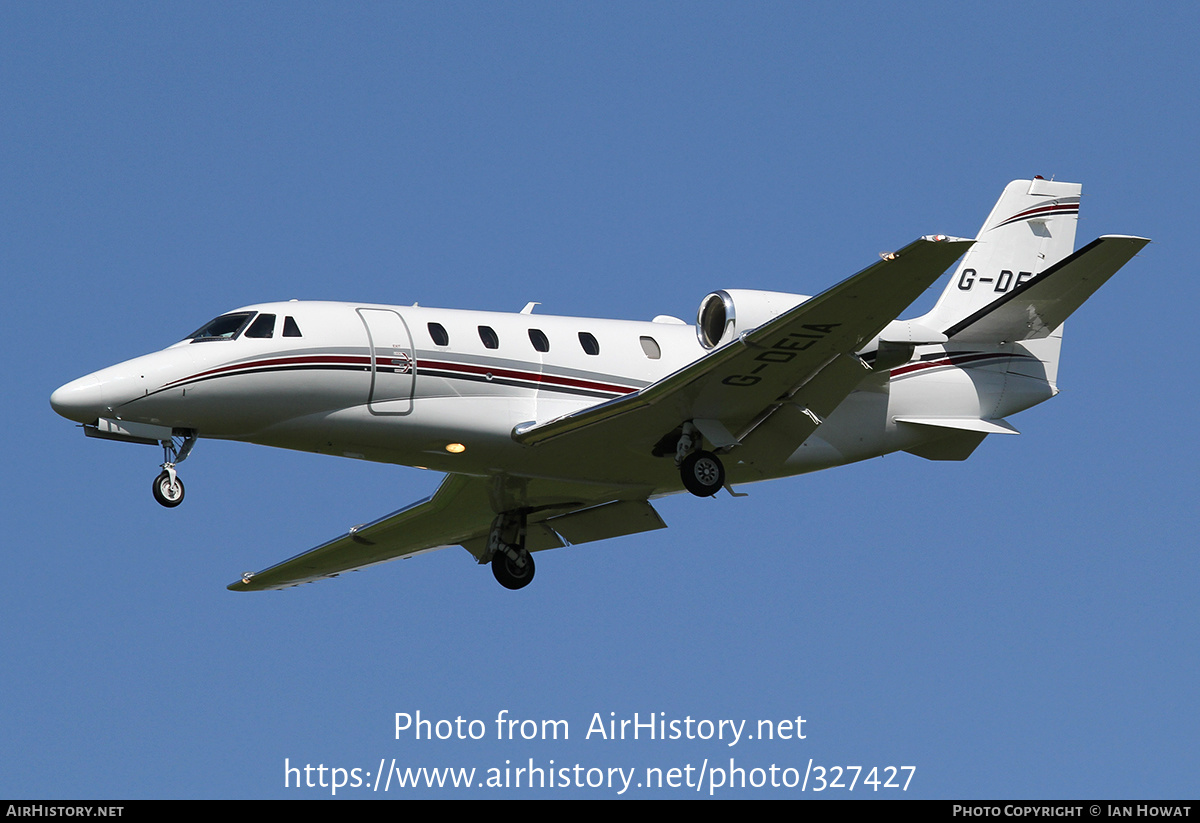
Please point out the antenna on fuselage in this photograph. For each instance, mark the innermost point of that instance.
(529, 308)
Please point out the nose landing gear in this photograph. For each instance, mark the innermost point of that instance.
(168, 488)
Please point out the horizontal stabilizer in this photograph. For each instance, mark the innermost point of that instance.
(1038, 306)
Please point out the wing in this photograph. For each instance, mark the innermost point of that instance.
(803, 359)
(461, 512)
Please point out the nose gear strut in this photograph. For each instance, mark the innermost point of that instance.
(168, 488)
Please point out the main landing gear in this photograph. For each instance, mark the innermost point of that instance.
(512, 564)
(509, 574)
(168, 488)
(702, 472)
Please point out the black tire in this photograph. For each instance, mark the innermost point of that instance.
(509, 575)
(702, 473)
(166, 494)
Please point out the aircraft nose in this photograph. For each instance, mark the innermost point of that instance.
(80, 400)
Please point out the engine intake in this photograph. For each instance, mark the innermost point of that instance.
(725, 314)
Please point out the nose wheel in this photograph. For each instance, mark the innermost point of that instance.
(168, 489)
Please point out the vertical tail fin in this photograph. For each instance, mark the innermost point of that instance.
(1031, 227)
(1003, 315)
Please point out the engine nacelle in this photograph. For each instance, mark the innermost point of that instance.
(725, 314)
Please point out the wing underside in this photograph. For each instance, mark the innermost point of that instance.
(461, 512)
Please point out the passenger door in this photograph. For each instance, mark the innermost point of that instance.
(393, 364)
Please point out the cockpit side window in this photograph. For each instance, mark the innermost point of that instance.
(290, 329)
(225, 327)
(263, 326)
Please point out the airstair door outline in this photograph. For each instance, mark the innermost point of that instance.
(393, 362)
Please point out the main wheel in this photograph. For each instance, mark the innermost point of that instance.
(509, 574)
(702, 472)
(167, 493)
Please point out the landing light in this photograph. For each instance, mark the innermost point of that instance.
(456, 448)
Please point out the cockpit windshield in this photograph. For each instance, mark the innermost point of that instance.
(225, 327)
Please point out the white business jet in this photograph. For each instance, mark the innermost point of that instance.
(562, 430)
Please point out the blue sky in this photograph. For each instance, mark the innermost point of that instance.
(1019, 625)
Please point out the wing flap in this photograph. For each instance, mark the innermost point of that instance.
(614, 519)
(770, 440)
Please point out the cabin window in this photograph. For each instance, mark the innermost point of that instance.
(225, 327)
(488, 335)
(650, 347)
(290, 329)
(263, 326)
(539, 340)
(438, 333)
(589, 343)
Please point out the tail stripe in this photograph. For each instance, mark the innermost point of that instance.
(1031, 227)
(1047, 210)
